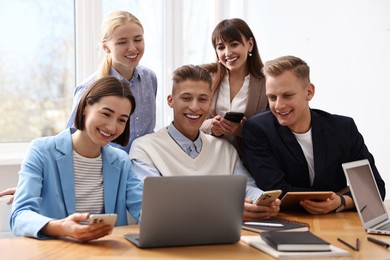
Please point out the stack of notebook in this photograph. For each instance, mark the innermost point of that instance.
(294, 244)
(295, 241)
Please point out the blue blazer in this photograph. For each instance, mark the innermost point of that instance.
(46, 188)
(276, 160)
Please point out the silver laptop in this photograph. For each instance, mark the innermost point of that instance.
(191, 210)
(368, 201)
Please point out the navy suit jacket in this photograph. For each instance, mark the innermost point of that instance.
(276, 160)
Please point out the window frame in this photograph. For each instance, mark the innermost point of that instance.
(88, 18)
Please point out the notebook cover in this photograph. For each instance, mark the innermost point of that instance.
(288, 225)
(258, 243)
(295, 241)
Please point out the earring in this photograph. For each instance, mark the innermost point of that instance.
(250, 54)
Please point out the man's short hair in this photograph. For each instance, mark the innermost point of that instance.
(276, 67)
(190, 72)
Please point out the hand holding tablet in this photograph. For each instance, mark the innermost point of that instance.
(291, 200)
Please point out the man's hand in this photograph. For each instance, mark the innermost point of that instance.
(322, 207)
(255, 212)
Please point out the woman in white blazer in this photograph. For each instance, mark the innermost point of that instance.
(55, 193)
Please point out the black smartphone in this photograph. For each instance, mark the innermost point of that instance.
(235, 117)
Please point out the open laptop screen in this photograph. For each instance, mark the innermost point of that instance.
(364, 189)
(191, 210)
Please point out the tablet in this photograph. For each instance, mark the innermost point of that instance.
(291, 200)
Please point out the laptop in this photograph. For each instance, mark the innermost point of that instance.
(368, 201)
(190, 210)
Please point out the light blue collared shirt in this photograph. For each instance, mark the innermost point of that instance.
(143, 170)
(189, 147)
(143, 85)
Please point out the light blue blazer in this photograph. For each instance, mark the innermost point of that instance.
(46, 188)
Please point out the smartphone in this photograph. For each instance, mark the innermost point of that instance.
(235, 117)
(267, 197)
(108, 218)
(5, 214)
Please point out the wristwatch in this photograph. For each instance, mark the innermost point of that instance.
(342, 205)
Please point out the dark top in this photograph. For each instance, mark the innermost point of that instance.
(276, 160)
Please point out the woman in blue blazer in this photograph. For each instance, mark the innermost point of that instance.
(55, 193)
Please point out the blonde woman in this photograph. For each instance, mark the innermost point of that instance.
(123, 43)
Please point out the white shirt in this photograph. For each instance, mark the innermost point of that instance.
(306, 142)
(238, 103)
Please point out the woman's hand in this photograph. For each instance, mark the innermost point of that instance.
(221, 126)
(216, 126)
(231, 128)
(71, 227)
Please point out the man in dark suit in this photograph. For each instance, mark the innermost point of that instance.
(296, 148)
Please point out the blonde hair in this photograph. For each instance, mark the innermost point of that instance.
(276, 67)
(110, 23)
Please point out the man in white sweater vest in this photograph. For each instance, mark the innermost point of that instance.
(182, 149)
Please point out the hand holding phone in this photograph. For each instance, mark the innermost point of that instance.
(108, 218)
(267, 197)
(235, 117)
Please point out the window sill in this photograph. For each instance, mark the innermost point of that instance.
(12, 153)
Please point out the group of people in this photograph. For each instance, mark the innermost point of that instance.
(281, 143)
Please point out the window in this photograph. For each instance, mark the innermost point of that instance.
(176, 33)
(37, 75)
(40, 58)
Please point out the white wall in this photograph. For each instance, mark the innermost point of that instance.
(347, 46)
(345, 42)
(9, 176)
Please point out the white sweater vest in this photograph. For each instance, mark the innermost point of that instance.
(218, 156)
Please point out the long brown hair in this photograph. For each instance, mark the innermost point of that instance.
(233, 30)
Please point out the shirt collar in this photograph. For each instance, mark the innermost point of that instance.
(115, 73)
(183, 141)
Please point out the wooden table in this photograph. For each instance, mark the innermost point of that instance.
(345, 225)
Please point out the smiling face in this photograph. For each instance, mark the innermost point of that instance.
(105, 120)
(190, 102)
(289, 100)
(126, 47)
(234, 54)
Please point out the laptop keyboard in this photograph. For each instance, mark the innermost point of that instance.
(384, 227)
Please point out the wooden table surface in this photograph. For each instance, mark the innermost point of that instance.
(345, 225)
